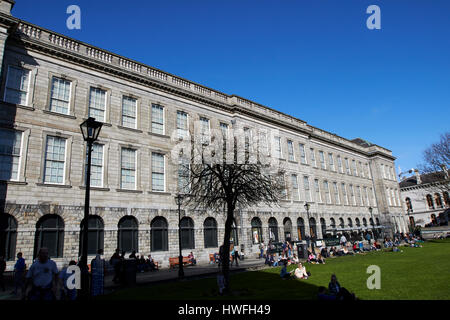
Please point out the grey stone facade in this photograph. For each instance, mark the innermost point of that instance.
(47, 54)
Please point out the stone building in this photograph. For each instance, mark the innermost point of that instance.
(51, 83)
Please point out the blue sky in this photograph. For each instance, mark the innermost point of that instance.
(313, 59)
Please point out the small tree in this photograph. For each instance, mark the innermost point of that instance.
(231, 172)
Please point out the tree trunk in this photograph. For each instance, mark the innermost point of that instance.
(226, 247)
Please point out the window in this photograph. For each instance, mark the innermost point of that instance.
(183, 176)
(307, 189)
(331, 161)
(8, 228)
(262, 143)
(327, 192)
(182, 124)
(392, 173)
(323, 226)
(301, 229)
(336, 193)
(157, 119)
(97, 104)
(438, 200)
(287, 224)
(95, 235)
(159, 234)
(339, 161)
(367, 196)
(204, 130)
(430, 201)
(317, 189)
(355, 171)
(128, 234)
(96, 165)
(157, 172)
(128, 169)
(389, 197)
(187, 233)
(446, 198)
(344, 193)
(224, 129)
(210, 232)
(313, 157)
(256, 230)
(371, 197)
(291, 150)
(129, 107)
(408, 204)
(55, 154)
(10, 149)
(322, 160)
(50, 234)
(350, 223)
(352, 195)
(359, 196)
(17, 86)
(302, 153)
(312, 228)
(295, 194)
(347, 166)
(357, 222)
(277, 147)
(273, 229)
(368, 171)
(361, 171)
(60, 95)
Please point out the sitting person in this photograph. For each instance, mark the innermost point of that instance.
(192, 258)
(283, 273)
(295, 259)
(320, 259)
(151, 263)
(339, 292)
(324, 252)
(323, 296)
(312, 258)
(300, 272)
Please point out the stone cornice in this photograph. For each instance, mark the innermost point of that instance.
(33, 37)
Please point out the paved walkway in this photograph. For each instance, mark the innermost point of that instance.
(165, 275)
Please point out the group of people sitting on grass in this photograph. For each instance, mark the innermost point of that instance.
(299, 273)
(142, 264)
(335, 292)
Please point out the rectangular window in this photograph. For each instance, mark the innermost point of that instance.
(97, 104)
(313, 157)
(55, 155)
(327, 192)
(183, 176)
(10, 149)
(60, 95)
(128, 169)
(331, 161)
(295, 194)
(262, 143)
(361, 171)
(302, 153)
(224, 129)
(322, 160)
(317, 189)
(204, 130)
(96, 165)
(277, 147)
(371, 197)
(347, 166)
(352, 194)
(368, 171)
(157, 119)
(359, 196)
(129, 106)
(182, 124)
(307, 189)
(157, 172)
(392, 173)
(366, 196)
(339, 161)
(355, 171)
(336, 193)
(345, 194)
(388, 197)
(17, 85)
(382, 171)
(290, 150)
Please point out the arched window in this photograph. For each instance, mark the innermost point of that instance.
(159, 234)
(128, 234)
(332, 223)
(341, 223)
(300, 229)
(371, 222)
(412, 222)
(430, 201)
(273, 229)
(312, 228)
(358, 224)
(187, 233)
(256, 230)
(438, 200)
(95, 235)
(323, 226)
(364, 222)
(350, 223)
(446, 198)
(377, 221)
(433, 219)
(210, 232)
(287, 224)
(234, 234)
(408, 204)
(8, 232)
(50, 234)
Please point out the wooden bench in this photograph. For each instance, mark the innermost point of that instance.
(176, 261)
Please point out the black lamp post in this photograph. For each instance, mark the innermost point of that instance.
(90, 130)
(373, 223)
(309, 237)
(179, 202)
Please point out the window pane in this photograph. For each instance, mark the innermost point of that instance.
(54, 160)
(129, 112)
(157, 119)
(10, 144)
(97, 104)
(17, 85)
(157, 172)
(60, 95)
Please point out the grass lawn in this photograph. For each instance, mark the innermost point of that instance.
(415, 273)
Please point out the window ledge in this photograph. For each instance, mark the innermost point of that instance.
(21, 183)
(54, 185)
(59, 114)
(18, 106)
(129, 190)
(291, 161)
(158, 135)
(95, 188)
(160, 192)
(129, 129)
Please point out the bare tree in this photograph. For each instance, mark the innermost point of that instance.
(231, 173)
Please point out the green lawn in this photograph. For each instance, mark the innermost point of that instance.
(415, 273)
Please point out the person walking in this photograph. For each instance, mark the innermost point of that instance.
(98, 274)
(19, 273)
(114, 261)
(43, 276)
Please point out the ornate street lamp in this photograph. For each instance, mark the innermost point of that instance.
(375, 234)
(308, 238)
(179, 201)
(90, 130)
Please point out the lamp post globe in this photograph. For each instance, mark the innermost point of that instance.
(90, 129)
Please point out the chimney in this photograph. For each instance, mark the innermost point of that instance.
(419, 180)
(445, 171)
(6, 6)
